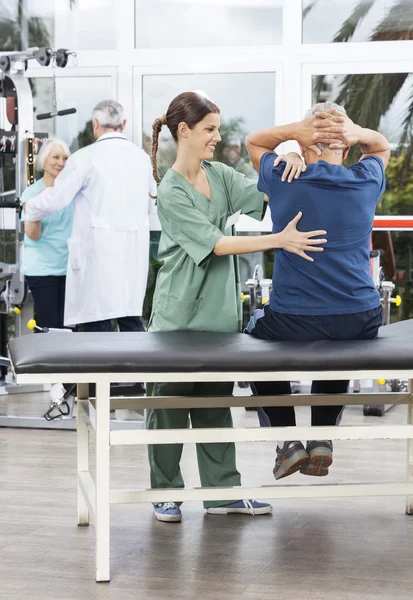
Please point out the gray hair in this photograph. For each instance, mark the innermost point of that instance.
(108, 113)
(47, 149)
(322, 107)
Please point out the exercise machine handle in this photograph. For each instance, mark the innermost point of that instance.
(59, 113)
(11, 204)
(32, 325)
(66, 111)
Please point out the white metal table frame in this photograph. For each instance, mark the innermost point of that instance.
(95, 497)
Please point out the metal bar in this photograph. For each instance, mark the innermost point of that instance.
(18, 55)
(141, 402)
(102, 527)
(398, 222)
(409, 498)
(259, 434)
(64, 423)
(83, 424)
(84, 413)
(87, 488)
(352, 490)
(179, 376)
(23, 422)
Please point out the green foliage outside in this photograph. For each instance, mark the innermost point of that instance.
(84, 138)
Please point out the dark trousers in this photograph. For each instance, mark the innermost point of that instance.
(124, 324)
(269, 325)
(48, 293)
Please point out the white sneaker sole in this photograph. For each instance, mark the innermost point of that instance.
(168, 518)
(221, 510)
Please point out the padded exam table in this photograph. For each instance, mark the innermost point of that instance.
(102, 358)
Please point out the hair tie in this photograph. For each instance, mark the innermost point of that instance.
(163, 119)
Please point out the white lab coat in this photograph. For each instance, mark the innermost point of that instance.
(110, 183)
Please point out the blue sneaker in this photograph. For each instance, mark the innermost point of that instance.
(243, 507)
(168, 511)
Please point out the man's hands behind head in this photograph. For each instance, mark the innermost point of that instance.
(336, 129)
(329, 127)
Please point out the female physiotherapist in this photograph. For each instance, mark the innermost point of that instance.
(45, 251)
(198, 286)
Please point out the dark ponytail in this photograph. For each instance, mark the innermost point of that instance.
(156, 129)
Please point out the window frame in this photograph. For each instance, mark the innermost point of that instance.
(293, 62)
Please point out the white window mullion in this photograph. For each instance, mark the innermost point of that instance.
(125, 25)
(291, 81)
(292, 32)
(358, 51)
(126, 97)
(137, 89)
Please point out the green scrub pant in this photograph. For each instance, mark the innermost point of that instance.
(216, 462)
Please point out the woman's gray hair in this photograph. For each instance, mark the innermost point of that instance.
(322, 107)
(109, 113)
(46, 150)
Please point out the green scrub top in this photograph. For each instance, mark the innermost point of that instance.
(196, 290)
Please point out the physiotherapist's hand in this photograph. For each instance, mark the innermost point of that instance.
(294, 165)
(300, 242)
(337, 130)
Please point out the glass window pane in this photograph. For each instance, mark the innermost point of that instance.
(74, 24)
(382, 102)
(357, 20)
(191, 23)
(76, 130)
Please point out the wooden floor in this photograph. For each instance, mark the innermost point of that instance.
(307, 550)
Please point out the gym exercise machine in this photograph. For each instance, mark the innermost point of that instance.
(385, 289)
(19, 144)
(259, 290)
(18, 139)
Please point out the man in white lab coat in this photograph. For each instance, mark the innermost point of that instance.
(113, 190)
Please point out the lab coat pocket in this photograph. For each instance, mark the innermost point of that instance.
(75, 253)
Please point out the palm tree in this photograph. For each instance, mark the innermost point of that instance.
(14, 33)
(23, 32)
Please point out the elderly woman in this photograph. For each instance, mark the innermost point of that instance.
(45, 242)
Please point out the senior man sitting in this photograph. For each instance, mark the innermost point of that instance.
(333, 297)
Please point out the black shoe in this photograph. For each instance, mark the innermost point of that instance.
(291, 458)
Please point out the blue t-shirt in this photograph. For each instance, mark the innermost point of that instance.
(48, 255)
(342, 201)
